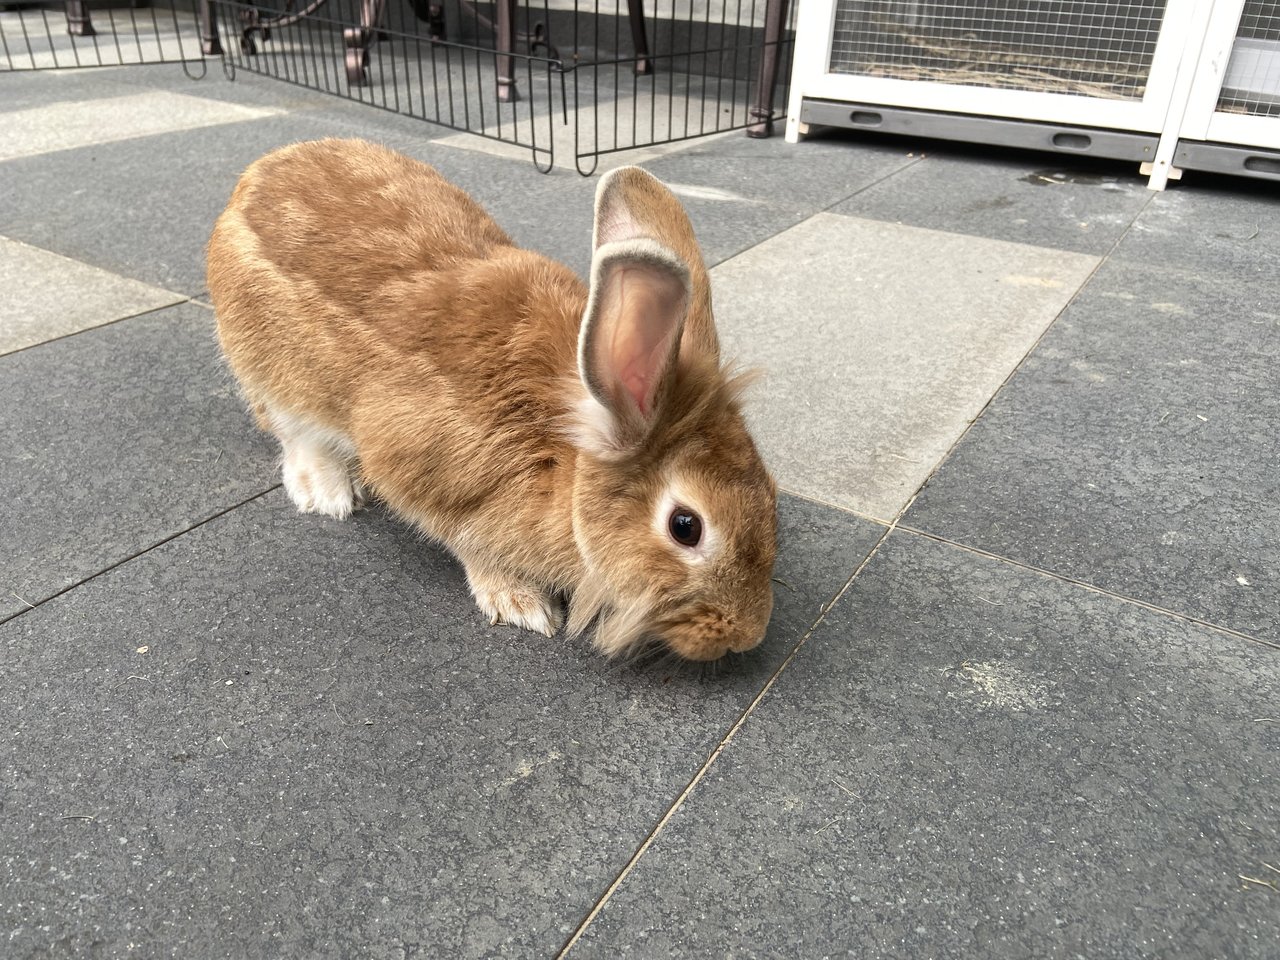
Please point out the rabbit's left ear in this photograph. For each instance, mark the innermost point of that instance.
(631, 330)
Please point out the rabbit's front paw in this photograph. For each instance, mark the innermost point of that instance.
(320, 484)
(506, 600)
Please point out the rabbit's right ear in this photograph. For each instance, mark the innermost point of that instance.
(631, 330)
(629, 341)
(632, 203)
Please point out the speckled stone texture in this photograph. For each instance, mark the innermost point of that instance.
(47, 296)
(230, 731)
(324, 750)
(969, 760)
(166, 210)
(1136, 448)
(116, 439)
(881, 343)
(1059, 202)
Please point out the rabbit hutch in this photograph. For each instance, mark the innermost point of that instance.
(1169, 84)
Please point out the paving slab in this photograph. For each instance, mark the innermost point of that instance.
(1229, 231)
(115, 439)
(72, 124)
(151, 220)
(1069, 203)
(971, 759)
(1135, 449)
(289, 733)
(167, 210)
(48, 296)
(810, 176)
(881, 343)
(34, 88)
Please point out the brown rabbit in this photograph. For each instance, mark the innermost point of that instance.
(557, 438)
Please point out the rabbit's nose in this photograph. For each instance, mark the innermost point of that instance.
(751, 633)
(746, 641)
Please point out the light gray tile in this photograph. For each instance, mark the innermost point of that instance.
(70, 124)
(880, 344)
(48, 296)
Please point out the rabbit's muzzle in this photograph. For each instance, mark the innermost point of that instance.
(707, 632)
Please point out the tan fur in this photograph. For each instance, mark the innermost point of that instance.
(360, 293)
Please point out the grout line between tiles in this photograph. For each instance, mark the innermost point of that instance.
(720, 748)
(891, 527)
(1063, 578)
(835, 506)
(1030, 350)
(834, 203)
(99, 326)
(133, 556)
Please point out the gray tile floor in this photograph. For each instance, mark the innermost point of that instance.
(1020, 697)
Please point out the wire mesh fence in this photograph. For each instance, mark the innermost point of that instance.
(580, 78)
(438, 62)
(1252, 83)
(45, 36)
(1096, 48)
(551, 76)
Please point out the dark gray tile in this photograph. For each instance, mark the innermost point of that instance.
(970, 759)
(740, 191)
(1066, 203)
(326, 748)
(809, 176)
(148, 216)
(37, 88)
(115, 439)
(1135, 448)
(1225, 232)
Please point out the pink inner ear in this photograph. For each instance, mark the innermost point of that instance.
(648, 305)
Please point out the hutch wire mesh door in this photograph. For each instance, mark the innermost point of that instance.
(1232, 120)
(1082, 76)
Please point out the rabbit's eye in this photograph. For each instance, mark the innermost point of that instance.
(685, 527)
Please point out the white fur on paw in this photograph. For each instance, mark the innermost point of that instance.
(318, 484)
(520, 607)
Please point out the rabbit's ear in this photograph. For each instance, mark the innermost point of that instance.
(632, 204)
(630, 339)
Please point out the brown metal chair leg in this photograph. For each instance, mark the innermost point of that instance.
(359, 39)
(635, 13)
(78, 22)
(210, 43)
(507, 89)
(775, 15)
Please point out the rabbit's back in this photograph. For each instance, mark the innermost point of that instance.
(332, 264)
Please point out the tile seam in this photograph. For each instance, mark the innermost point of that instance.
(834, 203)
(1092, 588)
(1023, 359)
(719, 748)
(134, 556)
(109, 323)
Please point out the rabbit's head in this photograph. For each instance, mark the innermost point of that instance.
(674, 513)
